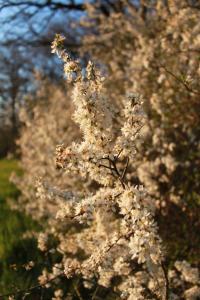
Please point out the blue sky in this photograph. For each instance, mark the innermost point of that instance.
(8, 29)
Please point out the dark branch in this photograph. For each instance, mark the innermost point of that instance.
(31, 289)
(50, 4)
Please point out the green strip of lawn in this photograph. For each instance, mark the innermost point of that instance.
(8, 189)
(14, 250)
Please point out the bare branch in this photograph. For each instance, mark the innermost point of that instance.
(31, 289)
(188, 88)
(51, 4)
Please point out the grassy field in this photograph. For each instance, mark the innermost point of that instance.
(6, 168)
(15, 251)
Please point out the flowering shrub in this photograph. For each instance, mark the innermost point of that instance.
(42, 130)
(156, 54)
(118, 236)
(168, 70)
(133, 155)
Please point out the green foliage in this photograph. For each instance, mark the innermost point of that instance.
(8, 189)
(15, 252)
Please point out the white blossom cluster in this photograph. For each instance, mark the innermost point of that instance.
(119, 215)
(42, 130)
(184, 278)
(167, 71)
(156, 53)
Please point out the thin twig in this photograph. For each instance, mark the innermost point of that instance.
(95, 293)
(125, 169)
(181, 81)
(118, 155)
(77, 291)
(166, 281)
(31, 289)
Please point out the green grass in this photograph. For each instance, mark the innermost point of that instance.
(8, 189)
(14, 249)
